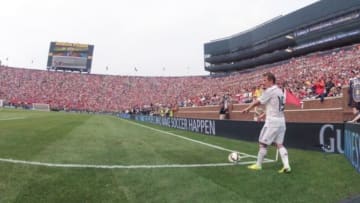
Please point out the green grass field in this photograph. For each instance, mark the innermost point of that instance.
(79, 140)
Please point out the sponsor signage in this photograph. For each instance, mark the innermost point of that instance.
(203, 126)
(352, 144)
(325, 137)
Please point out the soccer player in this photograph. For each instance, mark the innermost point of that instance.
(274, 128)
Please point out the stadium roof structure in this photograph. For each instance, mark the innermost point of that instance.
(322, 25)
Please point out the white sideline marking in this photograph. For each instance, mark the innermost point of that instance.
(35, 163)
(14, 118)
(192, 140)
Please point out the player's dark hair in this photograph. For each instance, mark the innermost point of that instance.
(270, 77)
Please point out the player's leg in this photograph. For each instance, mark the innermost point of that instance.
(264, 141)
(260, 157)
(282, 150)
(261, 154)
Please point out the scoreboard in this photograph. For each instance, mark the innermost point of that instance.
(70, 56)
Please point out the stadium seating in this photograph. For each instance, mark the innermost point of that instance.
(106, 93)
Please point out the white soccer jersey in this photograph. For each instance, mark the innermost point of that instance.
(273, 98)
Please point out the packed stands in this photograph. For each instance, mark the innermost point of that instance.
(104, 93)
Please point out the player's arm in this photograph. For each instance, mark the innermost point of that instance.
(252, 105)
(262, 116)
(357, 117)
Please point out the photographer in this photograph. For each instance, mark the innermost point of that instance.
(224, 110)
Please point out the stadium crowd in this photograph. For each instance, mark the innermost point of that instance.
(316, 75)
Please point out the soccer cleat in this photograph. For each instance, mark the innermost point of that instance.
(285, 170)
(254, 167)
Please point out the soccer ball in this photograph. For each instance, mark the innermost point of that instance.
(234, 157)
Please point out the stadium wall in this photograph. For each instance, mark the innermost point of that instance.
(332, 110)
(326, 137)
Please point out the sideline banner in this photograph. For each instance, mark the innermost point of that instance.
(326, 137)
(352, 144)
(203, 126)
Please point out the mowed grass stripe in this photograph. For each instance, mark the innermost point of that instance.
(102, 140)
(26, 138)
(168, 185)
(65, 185)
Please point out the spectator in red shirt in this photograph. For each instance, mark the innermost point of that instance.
(320, 88)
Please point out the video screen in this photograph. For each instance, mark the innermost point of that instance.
(70, 56)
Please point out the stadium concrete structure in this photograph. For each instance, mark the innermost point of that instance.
(320, 26)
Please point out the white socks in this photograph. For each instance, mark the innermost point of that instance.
(262, 153)
(284, 157)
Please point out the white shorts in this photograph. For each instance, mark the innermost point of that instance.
(268, 135)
